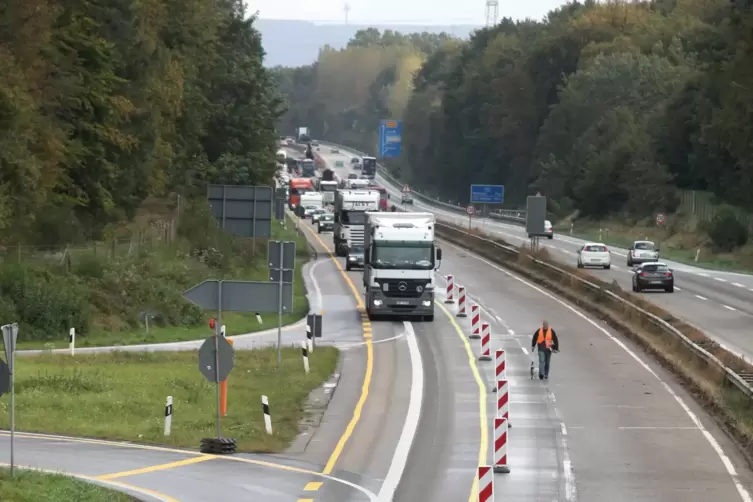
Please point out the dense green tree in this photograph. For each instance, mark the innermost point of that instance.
(104, 103)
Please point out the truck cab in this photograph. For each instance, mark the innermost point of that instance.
(350, 216)
(369, 167)
(400, 257)
(310, 202)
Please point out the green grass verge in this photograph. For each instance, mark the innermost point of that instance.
(236, 323)
(35, 486)
(122, 396)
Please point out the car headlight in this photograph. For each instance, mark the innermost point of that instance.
(351, 258)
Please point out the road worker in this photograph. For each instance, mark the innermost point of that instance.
(545, 340)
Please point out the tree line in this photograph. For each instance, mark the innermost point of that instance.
(607, 108)
(104, 103)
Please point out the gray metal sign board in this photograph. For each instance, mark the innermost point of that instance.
(245, 211)
(288, 255)
(281, 199)
(315, 323)
(535, 215)
(287, 275)
(4, 378)
(10, 337)
(241, 296)
(207, 359)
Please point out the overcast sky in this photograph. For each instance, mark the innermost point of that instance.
(398, 11)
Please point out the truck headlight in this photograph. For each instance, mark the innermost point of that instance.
(426, 303)
(351, 258)
(377, 303)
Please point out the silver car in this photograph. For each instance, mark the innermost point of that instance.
(642, 252)
(354, 258)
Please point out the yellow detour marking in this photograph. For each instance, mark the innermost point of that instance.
(155, 468)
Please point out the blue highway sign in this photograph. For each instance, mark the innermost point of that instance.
(390, 138)
(487, 194)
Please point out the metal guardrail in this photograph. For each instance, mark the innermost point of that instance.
(709, 358)
(511, 215)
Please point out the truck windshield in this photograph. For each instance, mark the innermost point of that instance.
(328, 188)
(353, 217)
(403, 255)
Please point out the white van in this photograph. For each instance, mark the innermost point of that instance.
(310, 202)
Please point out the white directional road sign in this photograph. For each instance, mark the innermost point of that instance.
(241, 296)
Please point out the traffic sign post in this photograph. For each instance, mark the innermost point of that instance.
(470, 211)
(487, 194)
(281, 259)
(10, 337)
(390, 138)
(661, 218)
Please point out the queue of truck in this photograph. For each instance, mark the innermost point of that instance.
(396, 250)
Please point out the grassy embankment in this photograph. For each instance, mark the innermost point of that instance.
(121, 395)
(104, 289)
(679, 242)
(35, 486)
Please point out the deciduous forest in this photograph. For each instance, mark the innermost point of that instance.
(609, 109)
(104, 103)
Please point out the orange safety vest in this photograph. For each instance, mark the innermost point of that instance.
(547, 340)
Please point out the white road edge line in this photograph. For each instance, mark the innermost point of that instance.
(701, 297)
(400, 459)
(733, 309)
(317, 290)
(741, 490)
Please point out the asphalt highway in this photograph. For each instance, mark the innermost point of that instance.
(719, 303)
(609, 425)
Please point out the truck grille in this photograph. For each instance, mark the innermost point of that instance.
(402, 288)
(356, 236)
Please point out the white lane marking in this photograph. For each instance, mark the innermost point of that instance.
(677, 289)
(525, 350)
(649, 428)
(510, 332)
(703, 275)
(317, 290)
(360, 344)
(733, 309)
(741, 490)
(720, 279)
(400, 459)
(701, 297)
(567, 465)
(738, 284)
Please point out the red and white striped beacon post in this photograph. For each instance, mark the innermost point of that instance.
(485, 483)
(450, 289)
(500, 365)
(486, 342)
(503, 399)
(475, 321)
(500, 446)
(461, 302)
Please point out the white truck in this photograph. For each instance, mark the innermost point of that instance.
(400, 257)
(350, 217)
(310, 201)
(328, 189)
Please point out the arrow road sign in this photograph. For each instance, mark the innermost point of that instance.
(4, 378)
(207, 359)
(240, 296)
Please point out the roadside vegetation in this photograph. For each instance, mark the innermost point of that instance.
(114, 117)
(36, 486)
(614, 111)
(121, 396)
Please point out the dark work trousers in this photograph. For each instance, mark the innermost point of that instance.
(545, 357)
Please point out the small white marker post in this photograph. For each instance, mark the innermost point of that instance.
(305, 354)
(222, 331)
(168, 415)
(309, 338)
(267, 416)
(72, 341)
(258, 318)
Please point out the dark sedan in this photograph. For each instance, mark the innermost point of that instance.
(355, 258)
(325, 223)
(653, 275)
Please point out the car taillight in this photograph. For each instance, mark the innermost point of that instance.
(644, 274)
(667, 274)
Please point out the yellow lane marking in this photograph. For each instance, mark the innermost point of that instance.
(330, 466)
(161, 496)
(305, 500)
(312, 486)
(483, 450)
(155, 468)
